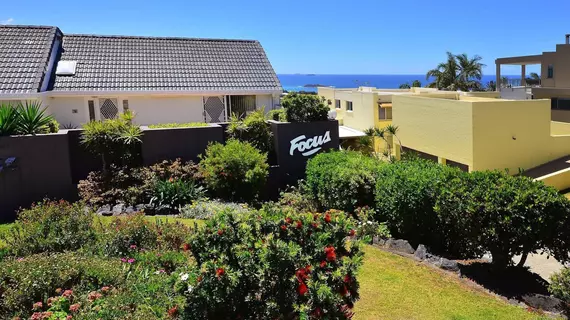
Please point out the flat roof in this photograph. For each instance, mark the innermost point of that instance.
(534, 59)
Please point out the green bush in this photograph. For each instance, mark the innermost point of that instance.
(50, 226)
(305, 107)
(560, 285)
(504, 215)
(252, 129)
(236, 171)
(273, 264)
(25, 118)
(342, 180)
(277, 115)
(179, 125)
(25, 281)
(205, 209)
(406, 194)
(299, 198)
(175, 193)
(367, 229)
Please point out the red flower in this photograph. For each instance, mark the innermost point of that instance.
(37, 306)
(199, 279)
(327, 218)
(331, 255)
(94, 295)
(220, 272)
(301, 275)
(67, 293)
(308, 268)
(186, 247)
(315, 225)
(289, 220)
(347, 279)
(220, 232)
(105, 289)
(352, 232)
(323, 264)
(283, 227)
(302, 289)
(299, 224)
(74, 307)
(171, 180)
(173, 312)
(343, 291)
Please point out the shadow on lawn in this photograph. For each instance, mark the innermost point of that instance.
(512, 283)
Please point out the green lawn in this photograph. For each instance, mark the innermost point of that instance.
(393, 287)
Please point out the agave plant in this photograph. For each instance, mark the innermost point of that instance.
(8, 120)
(32, 118)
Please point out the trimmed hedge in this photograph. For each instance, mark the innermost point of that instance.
(342, 180)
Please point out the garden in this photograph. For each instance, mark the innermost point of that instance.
(185, 240)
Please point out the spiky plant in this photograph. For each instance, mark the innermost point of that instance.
(8, 120)
(32, 118)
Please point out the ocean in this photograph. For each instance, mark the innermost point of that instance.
(297, 82)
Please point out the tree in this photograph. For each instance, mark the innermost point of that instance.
(491, 86)
(405, 86)
(458, 72)
(416, 84)
(534, 79)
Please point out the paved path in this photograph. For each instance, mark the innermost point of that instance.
(542, 266)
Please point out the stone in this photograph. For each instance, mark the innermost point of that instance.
(543, 302)
(118, 209)
(140, 207)
(130, 210)
(105, 210)
(421, 252)
(447, 264)
(376, 240)
(399, 245)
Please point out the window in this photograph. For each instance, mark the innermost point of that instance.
(91, 105)
(550, 71)
(349, 106)
(384, 113)
(125, 105)
(66, 68)
(337, 104)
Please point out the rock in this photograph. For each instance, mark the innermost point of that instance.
(130, 210)
(399, 245)
(378, 241)
(543, 302)
(105, 210)
(447, 264)
(421, 252)
(140, 207)
(118, 209)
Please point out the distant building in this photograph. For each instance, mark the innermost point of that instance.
(554, 78)
(94, 77)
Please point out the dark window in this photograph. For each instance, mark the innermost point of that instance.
(91, 105)
(461, 166)
(125, 105)
(241, 106)
(381, 113)
(550, 71)
(349, 106)
(563, 104)
(337, 104)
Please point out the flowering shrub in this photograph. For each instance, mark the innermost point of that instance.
(367, 228)
(273, 263)
(252, 129)
(50, 226)
(299, 199)
(236, 171)
(560, 285)
(205, 209)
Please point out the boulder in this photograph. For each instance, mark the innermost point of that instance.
(447, 264)
(105, 210)
(543, 302)
(118, 209)
(130, 210)
(376, 240)
(399, 246)
(421, 252)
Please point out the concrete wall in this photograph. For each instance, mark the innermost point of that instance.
(264, 101)
(559, 128)
(69, 110)
(515, 93)
(363, 105)
(559, 180)
(438, 127)
(42, 169)
(154, 110)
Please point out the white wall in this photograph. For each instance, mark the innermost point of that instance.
(265, 100)
(63, 110)
(516, 93)
(154, 110)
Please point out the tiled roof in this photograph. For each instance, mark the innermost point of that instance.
(24, 57)
(122, 63)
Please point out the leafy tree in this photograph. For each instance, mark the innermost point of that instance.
(405, 86)
(458, 72)
(305, 108)
(416, 84)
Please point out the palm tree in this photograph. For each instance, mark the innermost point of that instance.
(404, 86)
(416, 84)
(457, 72)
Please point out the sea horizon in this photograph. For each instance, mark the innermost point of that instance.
(308, 81)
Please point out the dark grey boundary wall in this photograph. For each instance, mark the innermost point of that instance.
(297, 142)
(184, 143)
(42, 168)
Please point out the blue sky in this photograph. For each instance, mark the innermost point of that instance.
(326, 37)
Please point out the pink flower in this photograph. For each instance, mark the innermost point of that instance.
(38, 306)
(123, 259)
(67, 293)
(94, 295)
(36, 316)
(133, 246)
(20, 259)
(105, 289)
(69, 317)
(74, 307)
(131, 260)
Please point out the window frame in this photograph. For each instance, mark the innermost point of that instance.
(337, 103)
(550, 71)
(347, 104)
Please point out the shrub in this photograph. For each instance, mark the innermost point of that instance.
(505, 215)
(273, 264)
(305, 107)
(342, 180)
(277, 115)
(51, 226)
(252, 129)
(179, 125)
(367, 229)
(560, 284)
(32, 119)
(25, 281)
(205, 209)
(299, 199)
(236, 171)
(116, 141)
(406, 194)
(175, 193)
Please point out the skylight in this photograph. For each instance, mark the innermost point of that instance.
(66, 68)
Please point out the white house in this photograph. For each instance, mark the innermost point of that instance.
(162, 80)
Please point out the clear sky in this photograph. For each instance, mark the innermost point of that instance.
(326, 37)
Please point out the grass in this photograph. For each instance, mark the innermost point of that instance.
(178, 125)
(393, 287)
